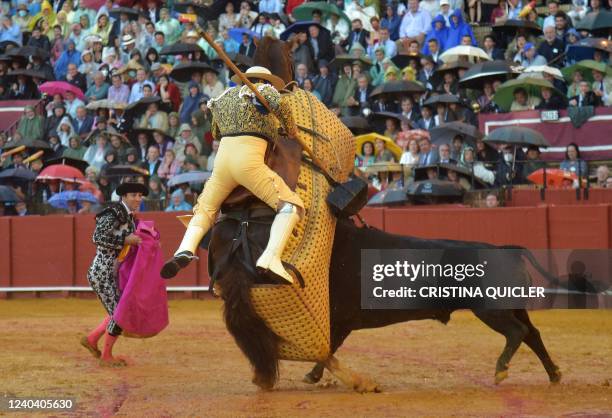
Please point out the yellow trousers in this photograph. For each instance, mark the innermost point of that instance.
(240, 161)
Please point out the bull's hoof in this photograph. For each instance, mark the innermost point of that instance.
(263, 384)
(555, 377)
(501, 376)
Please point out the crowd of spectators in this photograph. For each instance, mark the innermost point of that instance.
(131, 108)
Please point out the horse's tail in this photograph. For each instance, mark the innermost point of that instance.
(553, 280)
(258, 342)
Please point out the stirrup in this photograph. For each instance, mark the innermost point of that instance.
(176, 263)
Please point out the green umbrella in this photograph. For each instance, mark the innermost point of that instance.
(533, 85)
(304, 11)
(585, 67)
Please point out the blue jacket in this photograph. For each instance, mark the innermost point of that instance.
(67, 57)
(438, 34)
(458, 31)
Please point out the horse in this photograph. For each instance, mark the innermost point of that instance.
(241, 233)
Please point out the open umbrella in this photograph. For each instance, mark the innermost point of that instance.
(420, 173)
(596, 22)
(585, 48)
(137, 108)
(298, 27)
(445, 133)
(29, 51)
(403, 60)
(540, 70)
(60, 200)
(135, 132)
(395, 89)
(488, 71)
(30, 144)
(555, 177)
(390, 197)
(237, 33)
(8, 195)
(80, 165)
(60, 172)
(126, 171)
(343, 59)
(373, 137)
(434, 191)
(182, 72)
(28, 73)
(116, 12)
(442, 98)
(379, 119)
(464, 52)
(383, 166)
(518, 135)
(448, 67)
(198, 9)
(181, 48)
(7, 45)
(357, 124)
(532, 85)
(586, 67)
(60, 87)
(511, 26)
(19, 173)
(189, 177)
(304, 11)
(105, 104)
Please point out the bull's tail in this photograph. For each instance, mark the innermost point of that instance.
(258, 342)
(553, 280)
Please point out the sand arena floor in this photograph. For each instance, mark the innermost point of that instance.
(194, 368)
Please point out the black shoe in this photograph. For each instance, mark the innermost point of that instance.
(177, 262)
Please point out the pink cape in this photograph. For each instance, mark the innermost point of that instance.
(143, 308)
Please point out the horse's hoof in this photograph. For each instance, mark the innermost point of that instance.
(501, 376)
(263, 384)
(555, 377)
(310, 379)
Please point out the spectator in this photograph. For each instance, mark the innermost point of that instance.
(345, 90)
(153, 162)
(9, 31)
(169, 166)
(550, 101)
(99, 89)
(137, 91)
(57, 149)
(410, 156)
(191, 102)
(75, 149)
(602, 176)
(549, 21)
(491, 201)
(154, 118)
(30, 125)
(428, 155)
(72, 103)
(573, 162)
(367, 157)
(321, 44)
(476, 167)
(427, 121)
(177, 202)
(95, 154)
(552, 49)
(444, 155)
(585, 97)
(457, 30)
(490, 49)
(533, 161)
(509, 171)
(118, 92)
(530, 57)
(83, 123)
(602, 87)
(436, 38)
(358, 35)
(391, 21)
(247, 46)
(522, 101)
(324, 83)
(415, 24)
(381, 151)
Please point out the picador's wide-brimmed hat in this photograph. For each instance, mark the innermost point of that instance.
(132, 187)
(261, 73)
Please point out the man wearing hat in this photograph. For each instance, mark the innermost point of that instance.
(245, 127)
(531, 57)
(114, 232)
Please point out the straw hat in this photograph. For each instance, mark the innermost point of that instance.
(261, 73)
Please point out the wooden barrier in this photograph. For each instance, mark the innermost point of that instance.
(43, 251)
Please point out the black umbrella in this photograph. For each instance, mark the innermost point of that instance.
(201, 11)
(390, 197)
(517, 135)
(28, 73)
(139, 107)
(381, 116)
(72, 162)
(197, 177)
(403, 60)
(445, 133)
(8, 195)
(478, 74)
(19, 173)
(357, 124)
(181, 49)
(600, 21)
(29, 51)
(182, 72)
(395, 89)
(343, 59)
(434, 191)
(420, 173)
(442, 98)
(449, 67)
(31, 144)
(5, 44)
(511, 26)
(149, 133)
(132, 14)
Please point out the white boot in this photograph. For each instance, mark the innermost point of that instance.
(280, 231)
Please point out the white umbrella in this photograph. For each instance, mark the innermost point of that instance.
(464, 51)
(536, 70)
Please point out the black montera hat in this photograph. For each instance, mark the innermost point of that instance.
(132, 187)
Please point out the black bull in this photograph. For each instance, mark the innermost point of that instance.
(234, 241)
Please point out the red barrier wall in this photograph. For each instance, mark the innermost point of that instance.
(57, 250)
(532, 197)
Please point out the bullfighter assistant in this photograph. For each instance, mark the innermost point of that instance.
(245, 128)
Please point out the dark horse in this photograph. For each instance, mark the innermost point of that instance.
(242, 232)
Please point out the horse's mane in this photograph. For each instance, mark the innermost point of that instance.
(274, 55)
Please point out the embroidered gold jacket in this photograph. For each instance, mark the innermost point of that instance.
(234, 113)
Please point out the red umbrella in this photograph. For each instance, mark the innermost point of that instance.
(60, 172)
(92, 4)
(555, 177)
(60, 87)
